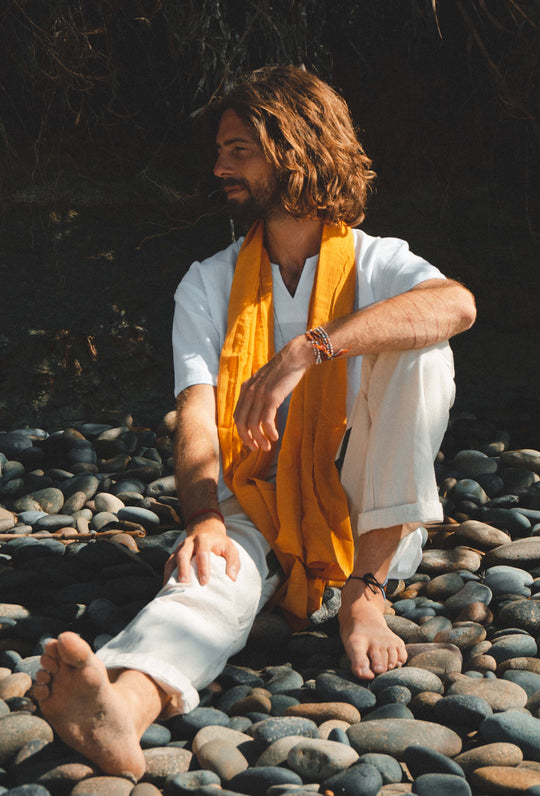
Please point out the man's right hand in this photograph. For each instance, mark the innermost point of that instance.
(207, 535)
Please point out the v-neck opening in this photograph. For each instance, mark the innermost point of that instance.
(308, 272)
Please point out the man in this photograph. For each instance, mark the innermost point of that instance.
(255, 467)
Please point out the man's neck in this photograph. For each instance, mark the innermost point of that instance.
(289, 242)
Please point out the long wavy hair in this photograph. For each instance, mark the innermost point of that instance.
(306, 132)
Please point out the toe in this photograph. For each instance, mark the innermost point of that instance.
(73, 650)
(43, 677)
(49, 664)
(40, 691)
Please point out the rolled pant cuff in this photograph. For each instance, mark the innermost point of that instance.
(413, 513)
(184, 697)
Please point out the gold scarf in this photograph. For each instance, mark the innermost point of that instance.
(304, 516)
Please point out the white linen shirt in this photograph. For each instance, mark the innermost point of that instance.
(385, 267)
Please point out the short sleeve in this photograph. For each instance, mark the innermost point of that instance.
(387, 268)
(200, 319)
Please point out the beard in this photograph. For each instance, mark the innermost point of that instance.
(260, 201)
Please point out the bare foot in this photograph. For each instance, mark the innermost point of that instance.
(370, 645)
(90, 713)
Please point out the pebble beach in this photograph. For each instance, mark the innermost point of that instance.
(88, 515)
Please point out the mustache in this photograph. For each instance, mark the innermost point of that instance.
(228, 182)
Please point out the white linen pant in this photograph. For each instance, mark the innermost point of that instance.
(183, 638)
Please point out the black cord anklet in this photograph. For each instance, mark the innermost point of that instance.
(371, 582)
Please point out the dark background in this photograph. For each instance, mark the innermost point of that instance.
(105, 187)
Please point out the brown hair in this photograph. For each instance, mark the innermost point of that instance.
(306, 132)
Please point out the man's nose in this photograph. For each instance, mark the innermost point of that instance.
(222, 166)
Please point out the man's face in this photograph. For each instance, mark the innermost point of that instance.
(249, 180)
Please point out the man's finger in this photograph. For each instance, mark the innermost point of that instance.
(232, 561)
(203, 566)
(183, 559)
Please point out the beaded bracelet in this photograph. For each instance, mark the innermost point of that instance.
(371, 582)
(201, 513)
(322, 346)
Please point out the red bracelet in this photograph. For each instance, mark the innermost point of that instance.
(200, 513)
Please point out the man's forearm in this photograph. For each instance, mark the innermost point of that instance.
(196, 450)
(430, 313)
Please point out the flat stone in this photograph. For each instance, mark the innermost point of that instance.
(251, 702)
(186, 726)
(389, 769)
(491, 754)
(437, 562)
(402, 627)
(190, 783)
(443, 586)
(465, 711)
(267, 731)
(464, 635)
(472, 592)
(519, 664)
(103, 786)
(104, 501)
(316, 760)
(529, 681)
(504, 780)
(282, 678)
(416, 680)
(223, 759)
(164, 762)
(480, 534)
(394, 710)
(440, 662)
(427, 631)
(17, 729)
(441, 784)
(257, 781)
(499, 694)
(513, 646)
(468, 489)
(362, 779)
(524, 614)
(16, 685)
(473, 463)
(515, 727)
(523, 552)
(422, 705)
(526, 458)
(225, 734)
(155, 735)
(425, 760)
(324, 711)
(276, 753)
(332, 688)
(393, 737)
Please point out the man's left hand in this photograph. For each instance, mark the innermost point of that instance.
(262, 394)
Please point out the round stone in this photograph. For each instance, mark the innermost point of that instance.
(402, 627)
(276, 753)
(440, 662)
(529, 681)
(16, 685)
(282, 678)
(226, 734)
(462, 710)
(480, 534)
(164, 762)
(499, 694)
(104, 501)
(148, 519)
(333, 688)
(473, 463)
(391, 737)
(416, 680)
(524, 614)
(441, 784)
(270, 730)
(389, 769)
(513, 726)
(513, 646)
(504, 780)
(17, 729)
(186, 726)
(436, 562)
(155, 735)
(443, 586)
(189, 783)
(324, 711)
(425, 760)
(491, 754)
(464, 635)
(526, 458)
(223, 759)
(316, 760)
(103, 786)
(468, 490)
(472, 592)
(362, 779)
(258, 780)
